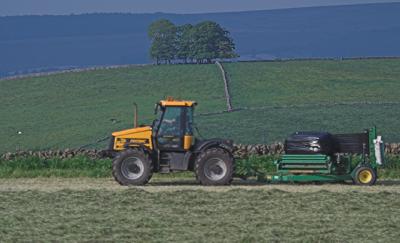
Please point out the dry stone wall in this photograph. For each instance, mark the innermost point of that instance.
(240, 151)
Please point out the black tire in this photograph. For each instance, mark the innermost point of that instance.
(365, 176)
(132, 167)
(214, 167)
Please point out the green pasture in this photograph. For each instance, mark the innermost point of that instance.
(274, 99)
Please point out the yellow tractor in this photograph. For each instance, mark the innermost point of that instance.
(169, 145)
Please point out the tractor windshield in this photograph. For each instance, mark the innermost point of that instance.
(171, 124)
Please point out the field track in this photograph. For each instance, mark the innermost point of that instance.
(171, 185)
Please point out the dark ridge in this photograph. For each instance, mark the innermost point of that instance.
(44, 43)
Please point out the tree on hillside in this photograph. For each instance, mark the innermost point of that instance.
(201, 43)
(212, 41)
(185, 42)
(162, 34)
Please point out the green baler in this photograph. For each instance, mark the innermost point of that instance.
(356, 158)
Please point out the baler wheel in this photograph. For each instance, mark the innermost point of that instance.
(365, 176)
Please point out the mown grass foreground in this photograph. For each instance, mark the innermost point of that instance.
(134, 215)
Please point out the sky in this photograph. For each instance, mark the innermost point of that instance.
(56, 7)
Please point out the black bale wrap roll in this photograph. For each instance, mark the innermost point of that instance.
(311, 143)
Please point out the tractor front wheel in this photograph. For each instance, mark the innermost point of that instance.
(365, 176)
(214, 167)
(132, 167)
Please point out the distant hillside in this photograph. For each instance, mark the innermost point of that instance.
(271, 100)
(56, 42)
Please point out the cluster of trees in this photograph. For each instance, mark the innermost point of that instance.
(200, 43)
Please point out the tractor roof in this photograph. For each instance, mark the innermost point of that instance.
(172, 102)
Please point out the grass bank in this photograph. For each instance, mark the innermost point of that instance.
(38, 167)
(256, 166)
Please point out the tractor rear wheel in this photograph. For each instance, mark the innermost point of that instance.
(132, 167)
(365, 176)
(214, 167)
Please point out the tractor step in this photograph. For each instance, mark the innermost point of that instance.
(164, 169)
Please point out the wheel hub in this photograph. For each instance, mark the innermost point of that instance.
(215, 169)
(365, 176)
(132, 168)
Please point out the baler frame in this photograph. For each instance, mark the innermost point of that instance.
(324, 168)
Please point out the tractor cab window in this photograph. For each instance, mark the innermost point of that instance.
(176, 122)
(171, 122)
(189, 121)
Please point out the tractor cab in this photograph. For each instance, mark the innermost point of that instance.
(173, 128)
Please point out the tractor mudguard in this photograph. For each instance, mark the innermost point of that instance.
(202, 145)
(141, 146)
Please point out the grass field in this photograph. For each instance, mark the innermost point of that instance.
(276, 123)
(74, 109)
(77, 200)
(99, 210)
(314, 82)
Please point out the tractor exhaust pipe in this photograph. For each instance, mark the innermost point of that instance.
(135, 118)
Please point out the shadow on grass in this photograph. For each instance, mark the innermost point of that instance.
(388, 182)
(254, 182)
(193, 182)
